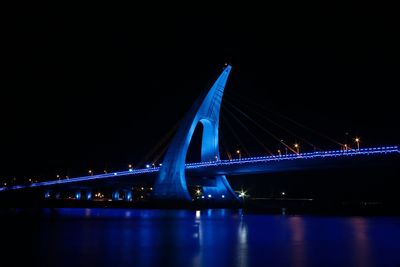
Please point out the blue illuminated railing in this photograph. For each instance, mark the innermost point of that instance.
(266, 159)
(309, 155)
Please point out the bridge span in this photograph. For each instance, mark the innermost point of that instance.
(243, 166)
(170, 179)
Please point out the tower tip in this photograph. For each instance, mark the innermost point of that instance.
(227, 66)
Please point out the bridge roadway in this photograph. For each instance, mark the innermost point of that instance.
(253, 165)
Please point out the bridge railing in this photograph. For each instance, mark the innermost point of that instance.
(307, 155)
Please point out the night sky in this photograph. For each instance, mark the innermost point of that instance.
(94, 87)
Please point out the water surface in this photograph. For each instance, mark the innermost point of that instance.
(129, 237)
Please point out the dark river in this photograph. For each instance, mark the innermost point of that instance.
(129, 237)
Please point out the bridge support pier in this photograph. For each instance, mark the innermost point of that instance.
(47, 194)
(128, 195)
(221, 192)
(115, 195)
(89, 195)
(78, 195)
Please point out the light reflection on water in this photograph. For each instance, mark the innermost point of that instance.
(219, 237)
(298, 243)
(362, 252)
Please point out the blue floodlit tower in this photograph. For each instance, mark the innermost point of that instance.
(171, 183)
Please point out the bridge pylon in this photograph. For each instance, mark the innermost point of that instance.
(171, 182)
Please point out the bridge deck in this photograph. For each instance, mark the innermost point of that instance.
(242, 166)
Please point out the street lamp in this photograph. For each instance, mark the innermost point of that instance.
(285, 146)
(90, 172)
(297, 148)
(239, 154)
(357, 140)
(198, 192)
(279, 152)
(242, 194)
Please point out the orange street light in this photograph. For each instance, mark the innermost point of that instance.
(357, 140)
(297, 148)
(239, 154)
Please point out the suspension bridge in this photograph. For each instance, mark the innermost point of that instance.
(171, 177)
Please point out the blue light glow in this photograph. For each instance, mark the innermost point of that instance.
(266, 159)
(171, 181)
(115, 196)
(128, 196)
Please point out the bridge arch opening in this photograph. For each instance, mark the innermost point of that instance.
(193, 153)
(203, 146)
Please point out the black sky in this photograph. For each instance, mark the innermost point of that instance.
(97, 85)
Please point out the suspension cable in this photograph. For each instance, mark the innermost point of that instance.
(224, 146)
(242, 146)
(163, 140)
(248, 131)
(265, 130)
(274, 123)
(253, 103)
